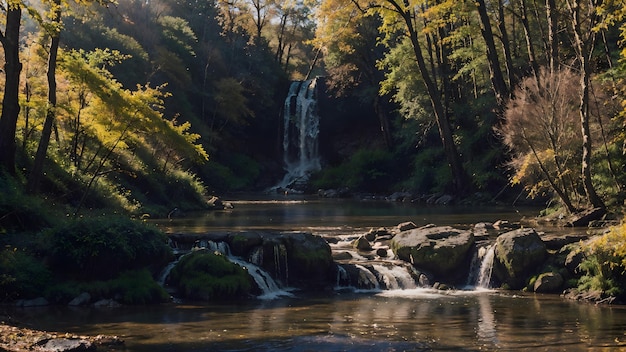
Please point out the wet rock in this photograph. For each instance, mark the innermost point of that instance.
(518, 254)
(81, 300)
(405, 226)
(441, 250)
(342, 256)
(64, 345)
(548, 283)
(381, 252)
(573, 260)
(556, 242)
(107, 303)
(585, 217)
(362, 244)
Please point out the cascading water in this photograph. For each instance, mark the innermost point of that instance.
(300, 135)
(486, 267)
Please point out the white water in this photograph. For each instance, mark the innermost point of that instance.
(486, 267)
(300, 136)
(395, 277)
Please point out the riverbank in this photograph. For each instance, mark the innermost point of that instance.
(16, 338)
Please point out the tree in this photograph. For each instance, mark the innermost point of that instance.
(10, 40)
(54, 31)
(584, 40)
(400, 17)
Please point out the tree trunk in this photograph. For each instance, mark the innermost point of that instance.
(553, 43)
(459, 177)
(495, 72)
(34, 179)
(506, 47)
(584, 47)
(529, 43)
(10, 102)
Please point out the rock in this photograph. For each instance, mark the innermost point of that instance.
(310, 261)
(444, 200)
(556, 242)
(81, 300)
(362, 244)
(518, 253)
(548, 283)
(107, 303)
(440, 250)
(36, 302)
(583, 218)
(573, 260)
(64, 345)
(405, 226)
(381, 252)
(484, 226)
(399, 197)
(342, 256)
(242, 243)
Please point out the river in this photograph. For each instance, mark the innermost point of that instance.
(388, 320)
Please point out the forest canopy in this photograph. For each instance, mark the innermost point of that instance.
(114, 104)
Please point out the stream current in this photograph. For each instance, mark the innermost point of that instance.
(411, 319)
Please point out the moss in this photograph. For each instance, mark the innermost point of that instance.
(209, 276)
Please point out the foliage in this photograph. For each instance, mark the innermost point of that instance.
(210, 276)
(21, 275)
(104, 247)
(604, 265)
(367, 170)
(540, 129)
(19, 211)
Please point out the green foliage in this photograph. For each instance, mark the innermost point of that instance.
(367, 170)
(237, 172)
(104, 247)
(210, 276)
(21, 275)
(138, 287)
(19, 211)
(604, 265)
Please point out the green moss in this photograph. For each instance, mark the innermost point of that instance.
(209, 276)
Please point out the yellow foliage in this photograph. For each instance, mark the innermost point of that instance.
(612, 247)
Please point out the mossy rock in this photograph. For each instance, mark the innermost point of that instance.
(518, 255)
(207, 276)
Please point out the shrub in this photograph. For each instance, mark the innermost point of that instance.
(208, 276)
(104, 247)
(21, 275)
(604, 265)
(138, 287)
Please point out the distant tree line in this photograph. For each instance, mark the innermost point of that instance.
(541, 78)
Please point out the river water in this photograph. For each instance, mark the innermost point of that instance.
(396, 320)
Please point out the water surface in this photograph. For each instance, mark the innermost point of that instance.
(397, 320)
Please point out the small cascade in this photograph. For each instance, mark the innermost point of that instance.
(300, 136)
(262, 278)
(367, 279)
(486, 267)
(395, 277)
(343, 279)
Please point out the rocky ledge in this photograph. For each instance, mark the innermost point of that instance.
(13, 338)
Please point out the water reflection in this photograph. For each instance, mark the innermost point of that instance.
(406, 320)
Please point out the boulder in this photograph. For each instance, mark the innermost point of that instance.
(310, 261)
(585, 217)
(548, 283)
(35, 302)
(81, 300)
(405, 226)
(362, 244)
(64, 345)
(518, 254)
(441, 250)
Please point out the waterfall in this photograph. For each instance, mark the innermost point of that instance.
(486, 266)
(269, 288)
(395, 277)
(301, 129)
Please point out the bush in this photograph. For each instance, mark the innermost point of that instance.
(21, 275)
(209, 276)
(104, 247)
(604, 265)
(138, 287)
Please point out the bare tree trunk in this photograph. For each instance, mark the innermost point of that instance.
(10, 103)
(583, 49)
(495, 72)
(553, 43)
(529, 43)
(34, 178)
